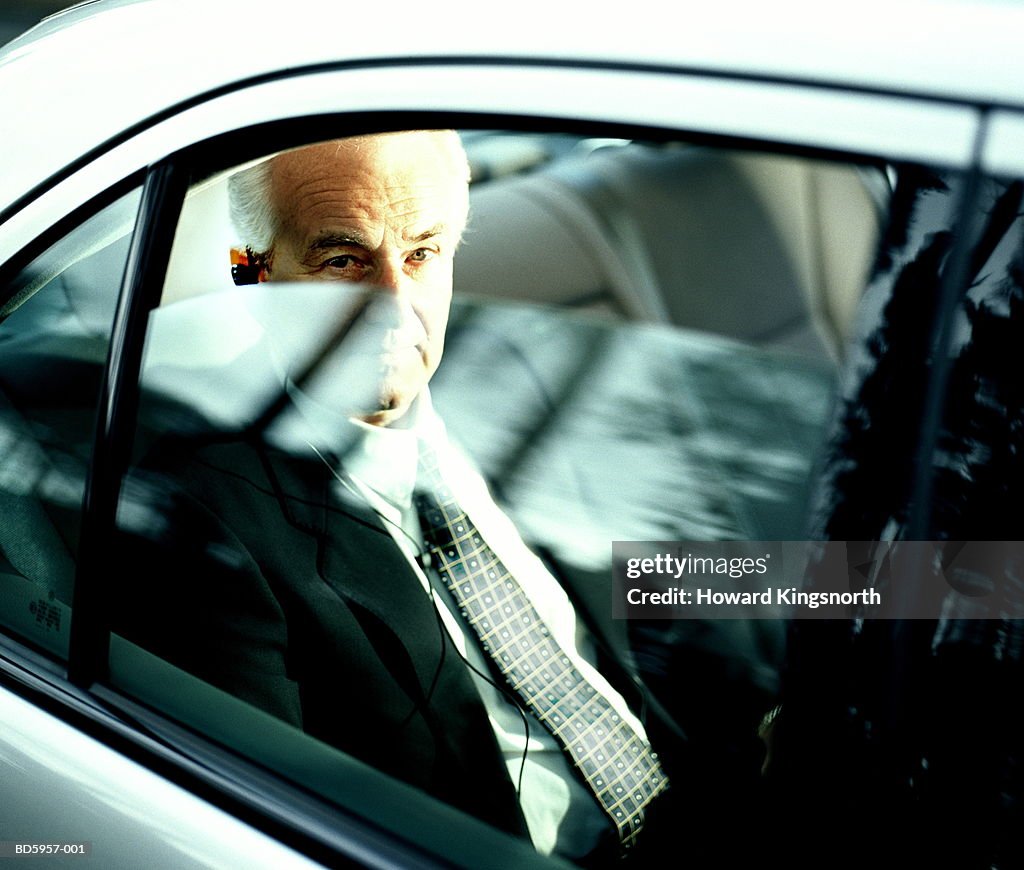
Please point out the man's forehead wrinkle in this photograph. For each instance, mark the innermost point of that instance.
(315, 192)
(373, 189)
(370, 208)
(320, 188)
(363, 206)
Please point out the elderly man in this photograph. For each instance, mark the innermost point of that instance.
(377, 596)
(385, 210)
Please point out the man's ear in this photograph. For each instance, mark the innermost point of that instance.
(247, 267)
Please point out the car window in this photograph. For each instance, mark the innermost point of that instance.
(925, 449)
(56, 317)
(643, 343)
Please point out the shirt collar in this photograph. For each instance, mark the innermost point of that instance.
(385, 459)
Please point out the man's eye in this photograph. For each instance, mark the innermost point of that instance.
(421, 255)
(345, 261)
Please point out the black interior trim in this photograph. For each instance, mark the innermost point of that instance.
(162, 197)
(955, 282)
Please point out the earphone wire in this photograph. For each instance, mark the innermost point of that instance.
(422, 559)
(503, 690)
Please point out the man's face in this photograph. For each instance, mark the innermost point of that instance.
(387, 210)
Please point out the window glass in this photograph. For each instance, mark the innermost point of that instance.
(56, 317)
(924, 714)
(642, 343)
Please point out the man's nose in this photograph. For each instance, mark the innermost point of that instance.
(391, 311)
(391, 278)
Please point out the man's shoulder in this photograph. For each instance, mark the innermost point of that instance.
(228, 461)
(228, 481)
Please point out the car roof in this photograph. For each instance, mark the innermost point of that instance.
(89, 73)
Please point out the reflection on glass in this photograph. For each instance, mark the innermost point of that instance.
(641, 346)
(56, 317)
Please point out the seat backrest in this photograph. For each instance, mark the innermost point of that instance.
(769, 249)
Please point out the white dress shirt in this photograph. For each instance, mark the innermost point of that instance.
(381, 466)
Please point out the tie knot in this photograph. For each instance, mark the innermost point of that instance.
(432, 494)
(428, 470)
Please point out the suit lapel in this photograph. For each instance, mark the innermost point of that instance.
(357, 557)
(360, 561)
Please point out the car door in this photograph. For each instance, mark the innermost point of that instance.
(662, 301)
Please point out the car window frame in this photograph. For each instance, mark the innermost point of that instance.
(570, 90)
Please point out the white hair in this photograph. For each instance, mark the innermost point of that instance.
(252, 210)
(251, 202)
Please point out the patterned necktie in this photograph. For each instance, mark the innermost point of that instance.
(620, 768)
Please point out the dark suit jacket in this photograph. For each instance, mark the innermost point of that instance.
(269, 584)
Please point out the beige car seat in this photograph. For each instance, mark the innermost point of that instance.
(770, 249)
